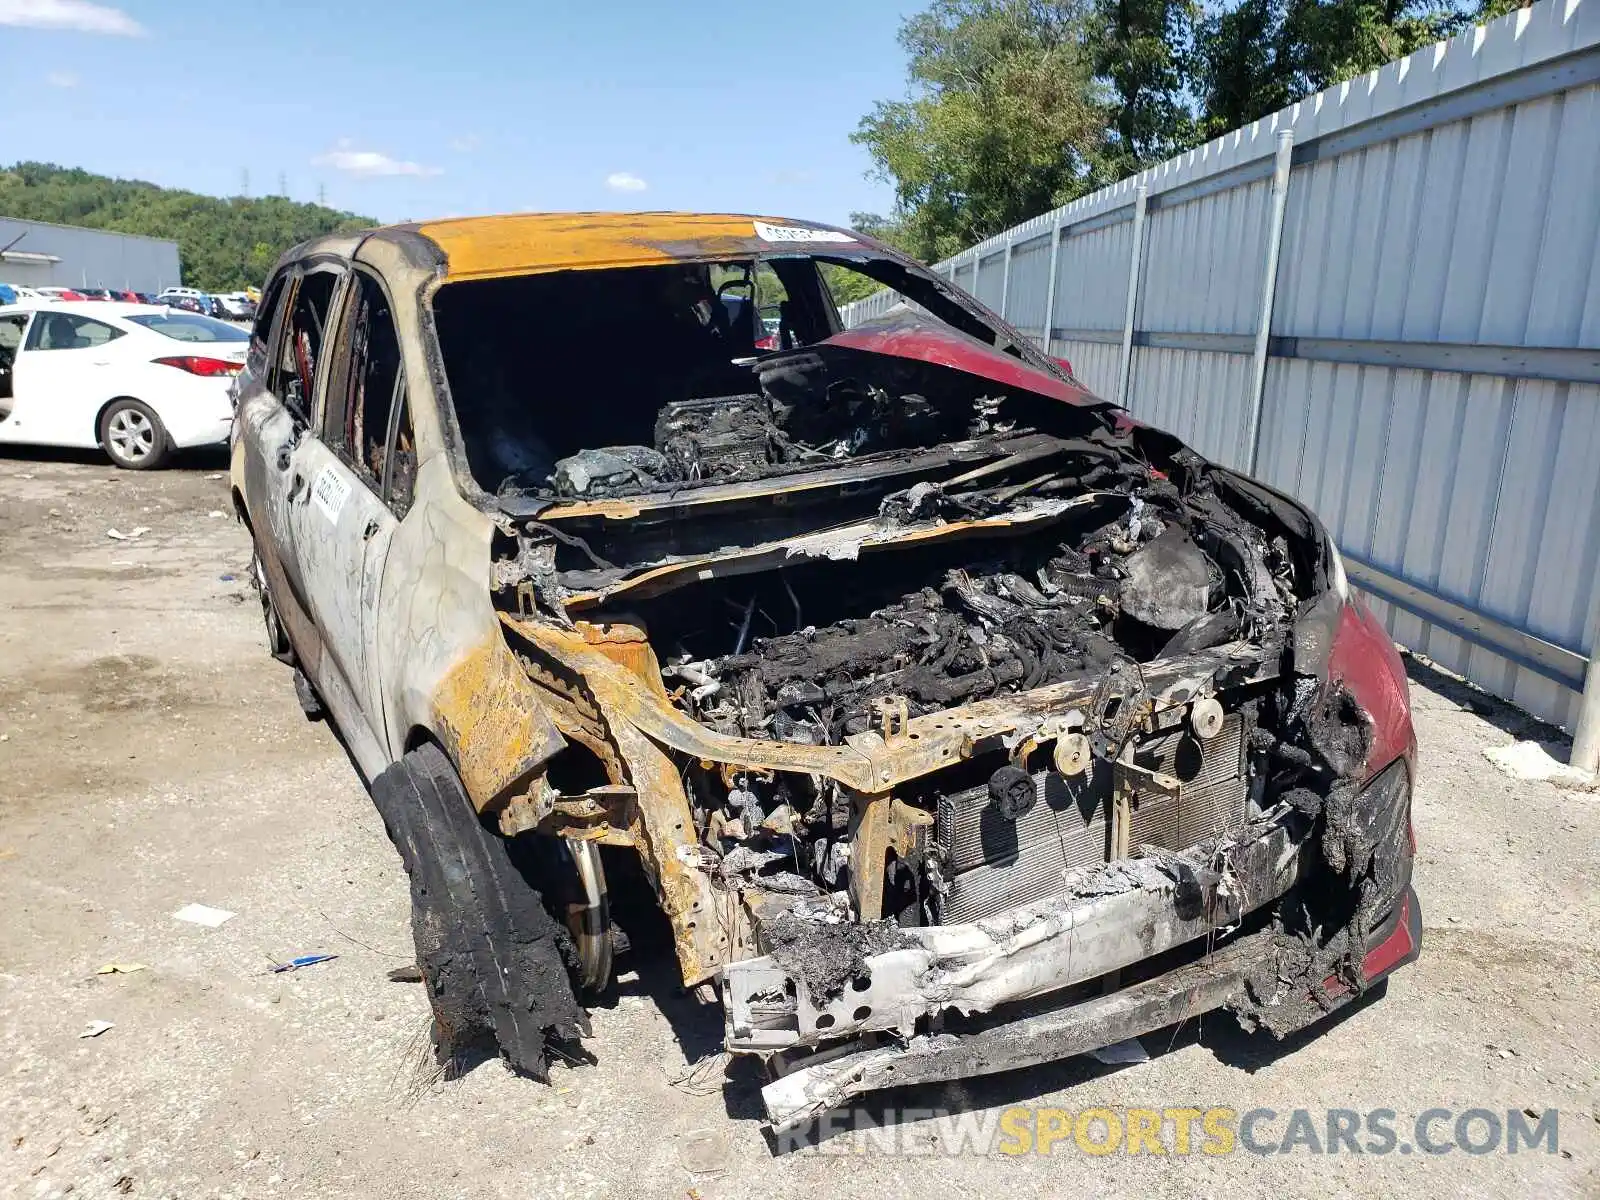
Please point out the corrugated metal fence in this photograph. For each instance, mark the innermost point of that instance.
(1426, 365)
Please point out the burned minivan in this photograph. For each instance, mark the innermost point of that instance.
(955, 719)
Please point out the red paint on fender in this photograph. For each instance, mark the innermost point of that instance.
(1365, 659)
(1402, 946)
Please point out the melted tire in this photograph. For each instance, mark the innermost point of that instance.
(497, 966)
(306, 693)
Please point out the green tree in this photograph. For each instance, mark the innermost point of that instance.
(1142, 51)
(1260, 55)
(1017, 106)
(1003, 120)
(1236, 68)
(222, 244)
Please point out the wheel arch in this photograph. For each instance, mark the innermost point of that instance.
(419, 736)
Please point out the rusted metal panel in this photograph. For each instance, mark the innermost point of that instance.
(494, 744)
(527, 243)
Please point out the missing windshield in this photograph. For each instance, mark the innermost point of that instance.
(593, 384)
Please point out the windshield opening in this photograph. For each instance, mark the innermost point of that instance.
(595, 383)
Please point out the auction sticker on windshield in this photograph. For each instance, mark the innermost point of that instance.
(793, 233)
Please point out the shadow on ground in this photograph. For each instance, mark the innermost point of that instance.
(203, 458)
(1522, 726)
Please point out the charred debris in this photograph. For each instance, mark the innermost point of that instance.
(863, 527)
(851, 539)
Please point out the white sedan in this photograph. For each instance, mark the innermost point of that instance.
(137, 380)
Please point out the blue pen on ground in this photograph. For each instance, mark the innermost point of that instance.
(305, 960)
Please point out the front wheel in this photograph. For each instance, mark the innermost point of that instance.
(133, 436)
(496, 963)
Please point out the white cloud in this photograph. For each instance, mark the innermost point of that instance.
(79, 15)
(625, 181)
(367, 163)
(62, 79)
(466, 143)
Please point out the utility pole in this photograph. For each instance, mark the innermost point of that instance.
(244, 182)
(283, 184)
(322, 194)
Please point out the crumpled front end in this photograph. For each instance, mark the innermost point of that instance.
(1280, 903)
(958, 726)
(993, 876)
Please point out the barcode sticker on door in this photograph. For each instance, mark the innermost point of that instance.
(329, 493)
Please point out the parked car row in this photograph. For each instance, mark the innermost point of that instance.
(229, 306)
(136, 380)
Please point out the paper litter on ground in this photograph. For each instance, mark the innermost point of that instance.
(203, 914)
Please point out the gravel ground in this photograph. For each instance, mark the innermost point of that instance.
(151, 756)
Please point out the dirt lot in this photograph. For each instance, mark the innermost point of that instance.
(151, 755)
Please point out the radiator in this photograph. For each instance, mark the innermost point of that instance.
(992, 864)
(1212, 800)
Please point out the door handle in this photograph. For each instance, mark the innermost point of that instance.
(296, 482)
(370, 531)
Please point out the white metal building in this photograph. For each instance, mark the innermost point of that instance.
(37, 252)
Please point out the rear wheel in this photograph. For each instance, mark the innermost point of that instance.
(497, 965)
(133, 436)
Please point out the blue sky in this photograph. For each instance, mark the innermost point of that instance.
(403, 109)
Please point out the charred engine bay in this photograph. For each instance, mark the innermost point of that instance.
(1098, 542)
(1067, 583)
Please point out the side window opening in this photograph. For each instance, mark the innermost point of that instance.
(11, 326)
(301, 354)
(266, 314)
(362, 392)
(846, 285)
(846, 282)
(400, 458)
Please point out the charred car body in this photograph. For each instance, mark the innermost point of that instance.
(957, 720)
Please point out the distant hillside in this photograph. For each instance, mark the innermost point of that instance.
(222, 244)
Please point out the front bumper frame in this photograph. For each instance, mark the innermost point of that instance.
(1112, 917)
(1186, 991)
